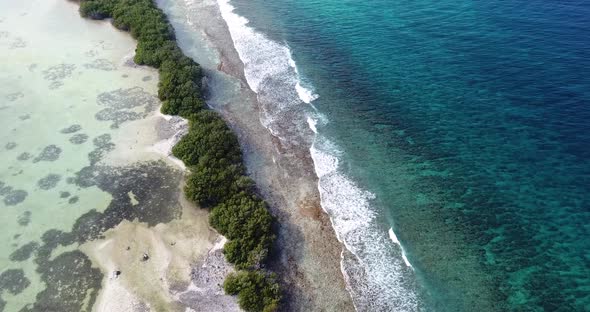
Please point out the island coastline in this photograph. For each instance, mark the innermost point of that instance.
(306, 203)
(308, 256)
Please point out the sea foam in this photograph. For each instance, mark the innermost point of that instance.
(305, 94)
(378, 276)
(312, 124)
(262, 58)
(395, 240)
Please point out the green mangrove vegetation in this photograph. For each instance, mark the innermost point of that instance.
(256, 291)
(217, 177)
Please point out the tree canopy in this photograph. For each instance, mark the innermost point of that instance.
(256, 290)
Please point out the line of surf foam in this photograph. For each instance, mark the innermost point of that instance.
(376, 277)
(305, 94)
(395, 240)
(262, 58)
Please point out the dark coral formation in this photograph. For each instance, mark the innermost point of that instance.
(103, 145)
(79, 138)
(64, 194)
(49, 181)
(13, 197)
(24, 252)
(24, 219)
(57, 74)
(125, 105)
(24, 156)
(49, 153)
(13, 281)
(101, 64)
(73, 200)
(71, 129)
(10, 145)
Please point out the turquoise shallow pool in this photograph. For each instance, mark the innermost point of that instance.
(461, 126)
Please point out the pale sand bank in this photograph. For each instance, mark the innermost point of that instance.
(185, 266)
(166, 280)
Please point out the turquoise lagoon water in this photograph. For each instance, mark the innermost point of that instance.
(79, 158)
(451, 138)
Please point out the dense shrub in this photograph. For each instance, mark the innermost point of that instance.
(208, 137)
(246, 222)
(210, 150)
(97, 9)
(208, 185)
(213, 155)
(256, 290)
(180, 76)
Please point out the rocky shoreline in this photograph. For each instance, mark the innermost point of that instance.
(308, 254)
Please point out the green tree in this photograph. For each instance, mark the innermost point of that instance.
(256, 290)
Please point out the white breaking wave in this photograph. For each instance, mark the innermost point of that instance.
(312, 124)
(305, 94)
(385, 285)
(394, 239)
(262, 58)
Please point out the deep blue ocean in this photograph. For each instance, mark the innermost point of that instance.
(462, 126)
